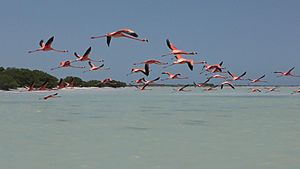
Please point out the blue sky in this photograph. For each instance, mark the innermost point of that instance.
(257, 36)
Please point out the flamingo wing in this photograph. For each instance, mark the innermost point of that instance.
(190, 66)
(49, 42)
(230, 86)
(261, 77)
(91, 64)
(87, 52)
(108, 39)
(242, 74)
(290, 70)
(143, 88)
(170, 45)
(182, 88)
(178, 56)
(147, 71)
(229, 74)
(42, 43)
(76, 55)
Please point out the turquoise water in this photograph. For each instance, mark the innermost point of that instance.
(130, 129)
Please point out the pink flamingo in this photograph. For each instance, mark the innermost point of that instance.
(145, 71)
(126, 33)
(201, 84)
(94, 67)
(271, 89)
(31, 87)
(50, 96)
(147, 83)
(47, 47)
(210, 89)
(173, 76)
(288, 73)
(104, 81)
(44, 86)
(217, 76)
(257, 80)
(182, 89)
(253, 90)
(296, 91)
(151, 62)
(235, 78)
(181, 60)
(142, 80)
(213, 68)
(176, 51)
(70, 84)
(66, 64)
(227, 83)
(61, 84)
(85, 57)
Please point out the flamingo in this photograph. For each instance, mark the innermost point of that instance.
(31, 87)
(66, 64)
(235, 78)
(253, 90)
(44, 86)
(176, 51)
(104, 81)
(50, 96)
(201, 84)
(213, 68)
(127, 33)
(85, 56)
(182, 89)
(210, 89)
(151, 62)
(217, 76)
(61, 84)
(93, 67)
(181, 60)
(173, 76)
(227, 83)
(257, 80)
(47, 47)
(288, 73)
(142, 80)
(147, 83)
(70, 84)
(145, 71)
(271, 89)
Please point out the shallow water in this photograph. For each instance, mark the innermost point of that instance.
(125, 128)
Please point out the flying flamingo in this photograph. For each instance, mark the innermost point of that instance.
(271, 89)
(71, 83)
(288, 73)
(253, 90)
(50, 96)
(61, 84)
(151, 62)
(227, 83)
(201, 84)
(176, 51)
(142, 80)
(104, 81)
(181, 60)
(66, 64)
(93, 67)
(85, 56)
(210, 89)
(147, 83)
(257, 80)
(235, 78)
(145, 71)
(173, 76)
(213, 68)
(44, 86)
(182, 89)
(47, 47)
(127, 33)
(31, 87)
(217, 76)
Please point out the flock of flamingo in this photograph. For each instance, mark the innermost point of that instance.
(211, 71)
